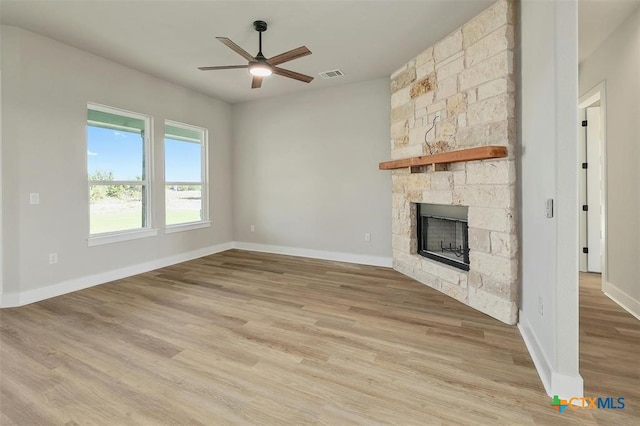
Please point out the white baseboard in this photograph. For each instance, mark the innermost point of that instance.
(535, 350)
(563, 385)
(625, 301)
(10, 300)
(316, 254)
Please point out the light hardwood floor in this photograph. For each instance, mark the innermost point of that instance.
(251, 338)
(609, 350)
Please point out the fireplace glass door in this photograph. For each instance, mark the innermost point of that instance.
(445, 239)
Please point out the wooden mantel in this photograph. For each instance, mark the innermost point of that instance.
(468, 154)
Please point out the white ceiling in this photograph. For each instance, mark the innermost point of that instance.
(170, 39)
(366, 39)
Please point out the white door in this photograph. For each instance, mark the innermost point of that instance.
(594, 191)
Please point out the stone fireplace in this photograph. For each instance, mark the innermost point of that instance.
(460, 93)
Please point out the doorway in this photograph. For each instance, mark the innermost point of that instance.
(592, 199)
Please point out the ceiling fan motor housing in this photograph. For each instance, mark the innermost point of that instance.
(260, 26)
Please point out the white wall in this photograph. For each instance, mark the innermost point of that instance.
(549, 159)
(1, 226)
(306, 172)
(46, 87)
(617, 62)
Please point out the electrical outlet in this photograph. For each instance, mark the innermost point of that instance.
(540, 306)
(34, 198)
(367, 236)
(53, 258)
(253, 228)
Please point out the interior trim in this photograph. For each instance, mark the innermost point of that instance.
(11, 300)
(361, 259)
(625, 301)
(554, 383)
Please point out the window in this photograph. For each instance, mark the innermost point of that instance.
(118, 171)
(185, 165)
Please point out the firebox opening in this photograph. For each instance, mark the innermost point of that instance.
(443, 234)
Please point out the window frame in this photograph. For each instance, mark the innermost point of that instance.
(147, 182)
(204, 179)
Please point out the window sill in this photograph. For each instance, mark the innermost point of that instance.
(186, 227)
(116, 237)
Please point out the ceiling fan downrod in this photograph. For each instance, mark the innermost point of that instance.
(261, 27)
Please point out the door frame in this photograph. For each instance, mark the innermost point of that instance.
(595, 94)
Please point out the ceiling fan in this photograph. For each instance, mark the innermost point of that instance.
(259, 66)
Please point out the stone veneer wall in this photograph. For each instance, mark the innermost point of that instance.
(467, 80)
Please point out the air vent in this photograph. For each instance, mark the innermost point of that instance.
(331, 74)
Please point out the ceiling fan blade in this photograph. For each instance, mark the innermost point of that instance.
(292, 74)
(239, 50)
(289, 56)
(256, 82)
(223, 67)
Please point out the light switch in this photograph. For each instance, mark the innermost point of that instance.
(34, 198)
(549, 208)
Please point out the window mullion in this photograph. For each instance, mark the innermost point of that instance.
(204, 170)
(117, 182)
(182, 183)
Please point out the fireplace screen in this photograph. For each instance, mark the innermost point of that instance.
(443, 237)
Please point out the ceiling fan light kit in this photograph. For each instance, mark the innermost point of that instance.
(262, 70)
(260, 66)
